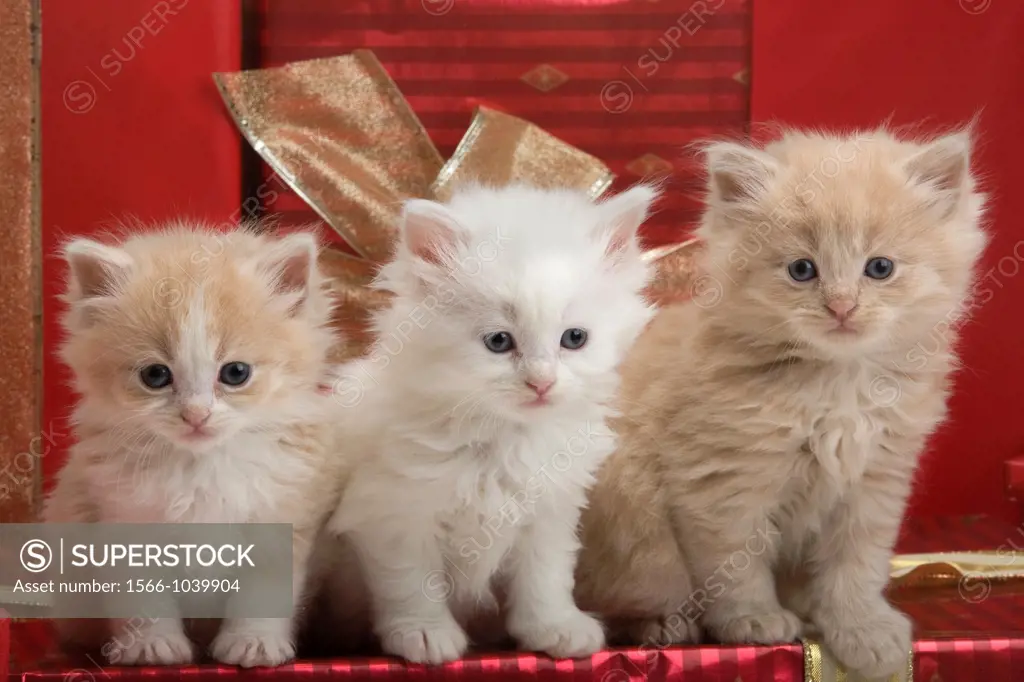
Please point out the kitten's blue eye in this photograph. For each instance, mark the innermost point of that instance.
(879, 268)
(802, 270)
(574, 339)
(499, 342)
(235, 374)
(156, 376)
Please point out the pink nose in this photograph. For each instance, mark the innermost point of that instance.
(842, 308)
(195, 416)
(541, 386)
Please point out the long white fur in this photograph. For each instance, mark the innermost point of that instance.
(460, 487)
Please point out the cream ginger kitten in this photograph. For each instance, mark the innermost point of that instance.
(478, 420)
(773, 425)
(197, 355)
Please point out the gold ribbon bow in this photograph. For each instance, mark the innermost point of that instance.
(342, 136)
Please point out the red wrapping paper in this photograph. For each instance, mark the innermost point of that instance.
(963, 633)
(705, 664)
(632, 83)
(996, 659)
(958, 641)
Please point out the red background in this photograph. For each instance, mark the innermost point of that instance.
(936, 62)
(150, 141)
(157, 142)
(636, 81)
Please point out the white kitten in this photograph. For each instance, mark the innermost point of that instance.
(480, 414)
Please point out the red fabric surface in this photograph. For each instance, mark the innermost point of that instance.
(937, 63)
(131, 126)
(632, 84)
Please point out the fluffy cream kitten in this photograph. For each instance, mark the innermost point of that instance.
(197, 355)
(774, 423)
(478, 419)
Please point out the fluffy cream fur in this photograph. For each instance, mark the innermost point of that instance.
(473, 463)
(192, 300)
(768, 439)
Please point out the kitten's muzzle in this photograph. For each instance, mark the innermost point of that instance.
(841, 308)
(541, 387)
(195, 415)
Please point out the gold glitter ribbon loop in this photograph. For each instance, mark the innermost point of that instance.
(499, 149)
(339, 133)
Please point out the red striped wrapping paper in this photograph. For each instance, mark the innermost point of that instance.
(632, 82)
(706, 664)
(971, 633)
(989, 654)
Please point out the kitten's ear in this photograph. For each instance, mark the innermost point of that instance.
(737, 173)
(624, 213)
(95, 269)
(944, 166)
(290, 263)
(429, 230)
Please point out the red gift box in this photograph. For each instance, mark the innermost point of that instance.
(630, 83)
(704, 664)
(967, 629)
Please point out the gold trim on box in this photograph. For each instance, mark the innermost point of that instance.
(820, 666)
(951, 568)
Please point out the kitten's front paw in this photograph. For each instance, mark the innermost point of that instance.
(875, 646)
(765, 627)
(172, 648)
(433, 643)
(571, 636)
(252, 649)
